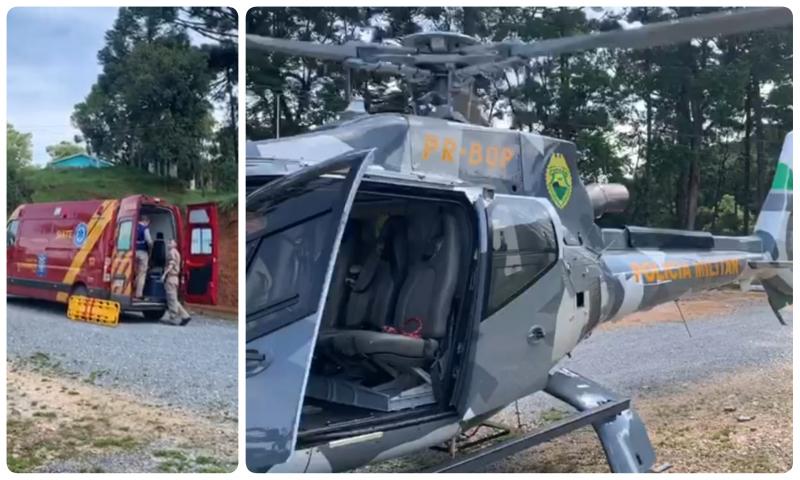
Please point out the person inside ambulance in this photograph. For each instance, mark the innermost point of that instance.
(144, 243)
(176, 315)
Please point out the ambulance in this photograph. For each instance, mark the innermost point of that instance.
(58, 249)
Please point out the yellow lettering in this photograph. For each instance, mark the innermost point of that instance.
(686, 272)
(651, 274)
(492, 156)
(430, 145)
(475, 154)
(674, 271)
(636, 269)
(448, 150)
(661, 275)
(506, 155)
(698, 270)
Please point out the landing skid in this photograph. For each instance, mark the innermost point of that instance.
(466, 441)
(619, 428)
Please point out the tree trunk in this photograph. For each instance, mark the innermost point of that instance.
(748, 127)
(696, 141)
(758, 130)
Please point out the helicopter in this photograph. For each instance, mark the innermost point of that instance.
(411, 275)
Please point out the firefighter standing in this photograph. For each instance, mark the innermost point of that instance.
(171, 278)
(144, 242)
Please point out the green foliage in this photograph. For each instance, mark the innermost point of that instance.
(64, 149)
(49, 185)
(151, 106)
(18, 148)
(670, 122)
(18, 162)
(723, 218)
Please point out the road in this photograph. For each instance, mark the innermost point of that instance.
(728, 358)
(191, 367)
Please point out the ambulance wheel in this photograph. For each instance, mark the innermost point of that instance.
(154, 314)
(79, 290)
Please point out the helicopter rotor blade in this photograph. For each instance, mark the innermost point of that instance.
(323, 51)
(661, 33)
(647, 36)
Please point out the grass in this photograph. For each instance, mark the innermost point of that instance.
(41, 362)
(52, 185)
(45, 414)
(553, 415)
(124, 443)
(94, 375)
(176, 461)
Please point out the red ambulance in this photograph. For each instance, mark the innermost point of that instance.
(59, 249)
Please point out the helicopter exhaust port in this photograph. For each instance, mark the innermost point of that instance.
(607, 198)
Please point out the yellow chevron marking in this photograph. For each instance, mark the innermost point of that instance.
(96, 227)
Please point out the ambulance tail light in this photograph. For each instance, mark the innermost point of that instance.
(107, 269)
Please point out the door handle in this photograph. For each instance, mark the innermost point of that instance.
(256, 362)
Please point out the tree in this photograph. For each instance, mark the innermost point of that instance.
(151, 106)
(670, 122)
(18, 160)
(64, 149)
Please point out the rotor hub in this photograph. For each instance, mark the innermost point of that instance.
(438, 42)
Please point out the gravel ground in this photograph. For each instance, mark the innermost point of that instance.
(652, 360)
(191, 367)
(662, 357)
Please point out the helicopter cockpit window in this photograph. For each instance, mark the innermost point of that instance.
(289, 241)
(524, 247)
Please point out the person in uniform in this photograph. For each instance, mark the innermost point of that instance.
(144, 242)
(177, 315)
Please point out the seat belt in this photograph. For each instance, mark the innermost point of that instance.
(367, 273)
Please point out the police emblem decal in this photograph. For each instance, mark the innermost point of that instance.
(559, 180)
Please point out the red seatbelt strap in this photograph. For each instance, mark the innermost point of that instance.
(415, 333)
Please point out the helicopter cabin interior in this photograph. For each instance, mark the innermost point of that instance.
(392, 318)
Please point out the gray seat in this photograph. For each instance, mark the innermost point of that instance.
(373, 291)
(411, 336)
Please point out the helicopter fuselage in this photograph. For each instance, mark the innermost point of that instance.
(532, 225)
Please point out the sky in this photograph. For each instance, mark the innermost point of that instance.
(52, 64)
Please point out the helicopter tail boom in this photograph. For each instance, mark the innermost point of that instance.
(645, 266)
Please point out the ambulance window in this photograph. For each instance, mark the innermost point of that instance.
(523, 248)
(124, 236)
(198, 216)
(11, 232)
(201, 241)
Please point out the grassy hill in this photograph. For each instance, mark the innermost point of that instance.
(52, 185)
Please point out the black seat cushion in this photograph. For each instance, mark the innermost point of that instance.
(390, 348)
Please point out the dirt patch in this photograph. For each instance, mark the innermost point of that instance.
(52, 419)
(229, 260)
(740, 423)
(712, 303)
